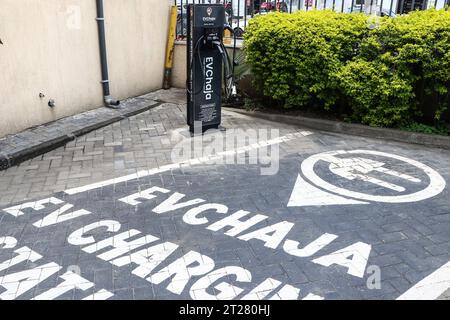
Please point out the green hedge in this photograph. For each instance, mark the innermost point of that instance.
(382, 72)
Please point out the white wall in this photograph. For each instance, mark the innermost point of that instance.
(51, 47)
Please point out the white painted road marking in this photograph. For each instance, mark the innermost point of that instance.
(359, 168)
(431, 287)
(312, 190)
(177, 165)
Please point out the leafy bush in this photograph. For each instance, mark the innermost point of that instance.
(293, 55)
(390, 75)
(441, 129)
(378, 97)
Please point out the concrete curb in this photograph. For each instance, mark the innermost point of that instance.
(352, 129)
(19, 156)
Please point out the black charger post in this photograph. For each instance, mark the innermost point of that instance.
(205, 54)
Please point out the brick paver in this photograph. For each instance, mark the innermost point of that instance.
(15, 148)
(407, 241)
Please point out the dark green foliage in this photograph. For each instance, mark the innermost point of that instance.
(386, 72)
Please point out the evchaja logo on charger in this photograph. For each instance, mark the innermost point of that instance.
(209, 76)
(209, 19)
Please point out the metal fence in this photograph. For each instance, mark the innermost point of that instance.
(239, 12)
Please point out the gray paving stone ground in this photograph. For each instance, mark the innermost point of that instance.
(15, 148)
(409, 241)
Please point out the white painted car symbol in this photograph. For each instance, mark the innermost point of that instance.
(312, 190)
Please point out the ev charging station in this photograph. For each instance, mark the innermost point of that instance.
(205, 57)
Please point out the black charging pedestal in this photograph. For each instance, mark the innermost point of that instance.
(204, 65)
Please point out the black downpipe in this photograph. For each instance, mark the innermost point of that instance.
(108, 100)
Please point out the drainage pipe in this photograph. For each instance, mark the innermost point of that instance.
(108, 100)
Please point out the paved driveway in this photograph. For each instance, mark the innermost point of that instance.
(295, 214)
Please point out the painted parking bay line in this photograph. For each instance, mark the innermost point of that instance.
(431, 287)
(177, 165)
